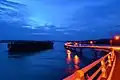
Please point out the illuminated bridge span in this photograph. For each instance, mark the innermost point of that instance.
(109, 64)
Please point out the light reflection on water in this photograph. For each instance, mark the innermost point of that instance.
(76, 62)
(68, 57)
(73, 62)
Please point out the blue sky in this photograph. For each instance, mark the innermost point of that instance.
(72, 19)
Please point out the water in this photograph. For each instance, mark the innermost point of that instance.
(48, 65)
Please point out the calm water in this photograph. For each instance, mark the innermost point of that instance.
(48, 65)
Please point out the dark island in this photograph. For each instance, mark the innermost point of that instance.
(29, 46)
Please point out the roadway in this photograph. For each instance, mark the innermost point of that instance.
(116, 72)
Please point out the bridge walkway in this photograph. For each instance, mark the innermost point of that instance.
(116, 72)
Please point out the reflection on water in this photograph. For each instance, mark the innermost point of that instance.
(68, 56)
(73, 62)
(22, 54)
(76, 62)
(69, 60)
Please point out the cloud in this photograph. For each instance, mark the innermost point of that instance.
(46, 28)
(66, 33)
(41, 33)
(30, 27)
(83, 17)
(60, 30)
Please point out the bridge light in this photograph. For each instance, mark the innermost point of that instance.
(76, 44)
(68, 52)
(117, 37)
(91, 42)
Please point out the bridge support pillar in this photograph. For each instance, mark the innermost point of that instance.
(81, 51)
(73, 49)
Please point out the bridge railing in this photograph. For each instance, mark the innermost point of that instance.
(105, 61)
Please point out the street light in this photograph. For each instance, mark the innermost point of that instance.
(116, 41)
(117, 37)
(76, 44)
(91, 42)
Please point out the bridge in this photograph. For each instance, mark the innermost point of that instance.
(109, 68)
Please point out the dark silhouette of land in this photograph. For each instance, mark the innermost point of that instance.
(31, 45)
(100, 41)
(27, 45)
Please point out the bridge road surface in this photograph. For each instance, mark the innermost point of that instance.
(116, 72)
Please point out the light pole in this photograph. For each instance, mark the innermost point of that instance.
(116, 40)
(111, 42)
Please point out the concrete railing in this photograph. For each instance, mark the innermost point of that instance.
(107, 61)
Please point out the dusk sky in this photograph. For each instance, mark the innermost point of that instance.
(59, 19)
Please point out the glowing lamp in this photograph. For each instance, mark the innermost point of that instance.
(117, 37)
(91, 42)
(68, 52)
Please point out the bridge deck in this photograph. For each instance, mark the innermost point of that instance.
(116, 72)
